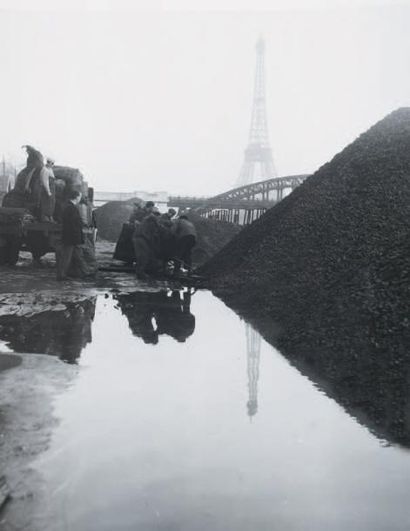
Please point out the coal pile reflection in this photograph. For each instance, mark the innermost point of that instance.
(63, 333)
(151, 315)
(357, 360)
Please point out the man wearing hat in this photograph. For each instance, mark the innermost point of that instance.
(48, 191)
(166, 219)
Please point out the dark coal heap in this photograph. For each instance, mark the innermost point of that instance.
(212, 234)
(325, 276)
(111, 216)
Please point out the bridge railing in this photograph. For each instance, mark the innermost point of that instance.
(212, 203)
(182, 200)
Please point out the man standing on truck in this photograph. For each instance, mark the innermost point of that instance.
(35, 162)
(47, 192)
(71, 238)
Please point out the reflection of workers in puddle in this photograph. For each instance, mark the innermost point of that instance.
(153, 314)
(62, 333)
(140, 318)
(175, 318)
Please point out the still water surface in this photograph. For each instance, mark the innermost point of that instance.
(183, 419)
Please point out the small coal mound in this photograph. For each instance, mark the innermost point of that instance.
(111, 216)
(325, 276)
(213, 235)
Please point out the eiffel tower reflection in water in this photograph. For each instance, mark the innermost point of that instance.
(253, 348)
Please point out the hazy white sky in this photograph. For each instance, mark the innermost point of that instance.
(158, 96)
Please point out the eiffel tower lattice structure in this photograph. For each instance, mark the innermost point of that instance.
(258, 163)
(253, 347)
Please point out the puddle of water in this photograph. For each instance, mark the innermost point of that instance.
(182, 418)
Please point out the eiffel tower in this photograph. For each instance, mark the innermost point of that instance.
(253, 347)
(258, 163)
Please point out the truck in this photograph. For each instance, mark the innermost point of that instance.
(21, 231)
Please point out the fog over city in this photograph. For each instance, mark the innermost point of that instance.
(158, 95)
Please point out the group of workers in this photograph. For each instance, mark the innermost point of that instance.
(159, 240)
(157, 243)
(160, 243)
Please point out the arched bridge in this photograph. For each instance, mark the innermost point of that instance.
(270, 190)
(242, 204)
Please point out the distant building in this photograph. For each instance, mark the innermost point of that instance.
(159, 198)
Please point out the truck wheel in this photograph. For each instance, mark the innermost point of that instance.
(37, 256)
(13, 252)
(13, 257)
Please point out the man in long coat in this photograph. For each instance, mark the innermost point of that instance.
(72, 237)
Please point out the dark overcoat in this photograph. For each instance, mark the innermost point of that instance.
(72, 233)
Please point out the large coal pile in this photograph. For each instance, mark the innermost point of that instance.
(212, 234)
(337, 222)
(325, 276)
